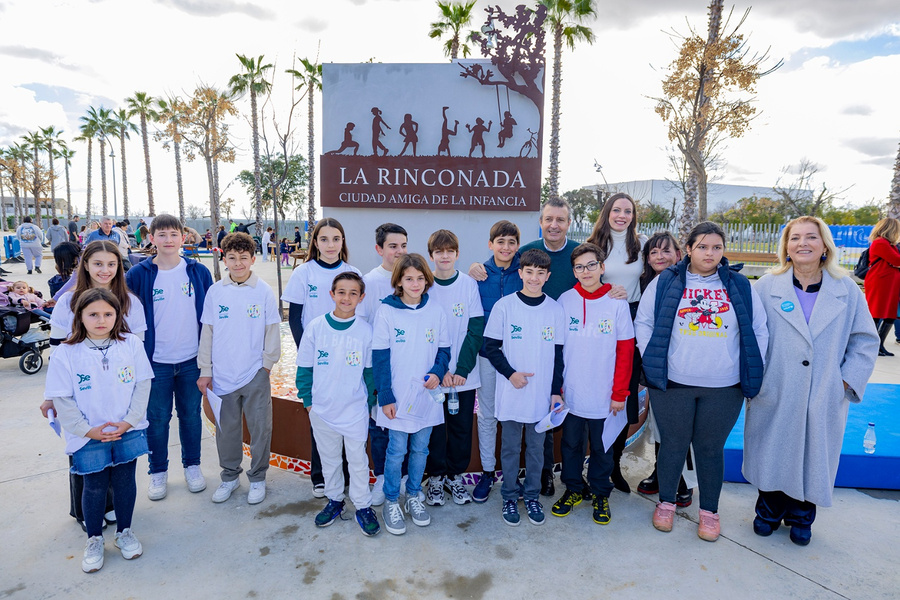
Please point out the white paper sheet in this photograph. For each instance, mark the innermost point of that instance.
(51, 420)
(215, 403)
(613, 427)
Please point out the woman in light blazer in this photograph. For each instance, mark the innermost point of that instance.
(822, 351)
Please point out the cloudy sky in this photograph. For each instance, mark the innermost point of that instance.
(833, 102)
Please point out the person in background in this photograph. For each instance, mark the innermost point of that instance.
(74, 228)
(57, 233)
(825, 353)
(882, 282)
(30, 239)
(66, 257)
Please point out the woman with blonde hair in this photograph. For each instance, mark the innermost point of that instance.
(882, 282)
(823, 352)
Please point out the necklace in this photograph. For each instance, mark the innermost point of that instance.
(103, 350)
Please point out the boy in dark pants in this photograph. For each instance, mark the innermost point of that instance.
(598, 357)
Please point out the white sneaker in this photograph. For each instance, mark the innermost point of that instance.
(319, 490)
(457, 490)
(128, 544)
(223, 492)
(93, 554)
(435, 496)
(416, 510)
(195, 480)
(157, 489)
(257, 492)
(378, 491)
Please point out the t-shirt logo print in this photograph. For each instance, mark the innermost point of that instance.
(704, 313)
(429, 335)
(84, 382)
(516, 333)
(158, 295)
(126, 374)
(399, 336)
(458, 310)
(573, 323)
(187, 289)
(605, 326)
(223, 312)
(313, 290)
(547, 334)
(354, 358)
(253, 311)
(322, 359)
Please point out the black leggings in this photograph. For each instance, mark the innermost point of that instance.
(700, 416)
(93, 499)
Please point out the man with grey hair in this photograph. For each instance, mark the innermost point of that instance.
(105, 232)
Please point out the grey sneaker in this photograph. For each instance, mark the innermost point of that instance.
(93, 554)
(457, 490)
(435, 495)
(196, 482)
(157, 488)
(223, 492)
(257, 492)
(128, 544)
(393, 518)
(416, 510)
(378, 491)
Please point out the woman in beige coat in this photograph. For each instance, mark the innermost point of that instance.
(821, 353)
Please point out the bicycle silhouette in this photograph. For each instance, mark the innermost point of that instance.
(529, 145)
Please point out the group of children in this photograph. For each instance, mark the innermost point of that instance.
(394, 358)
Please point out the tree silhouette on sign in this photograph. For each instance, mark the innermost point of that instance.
(515, 45)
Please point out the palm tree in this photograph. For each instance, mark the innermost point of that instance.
(894, 203)
(34, 141)
(172, 114)
(66, 154)
(124, 128)
(455, 16)
(88, 130)
(253, 79)
(103, 128)
(51, 136)
(310, 79)
(564, 20)
(143, 104)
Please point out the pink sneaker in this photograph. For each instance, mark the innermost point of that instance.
(709, 526)
(663, 516)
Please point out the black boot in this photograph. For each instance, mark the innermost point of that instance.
(618, 480)
(650, 485)
(884, 327)
(685, 495)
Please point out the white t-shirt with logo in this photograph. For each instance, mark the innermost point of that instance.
(413, 337)
(337, 358)
(175, 316)
(310, 285)
(103, 396)
(593, 329)
(62, 316)
(378, 287)
(461, 302)
(529, 335)
(238, 315)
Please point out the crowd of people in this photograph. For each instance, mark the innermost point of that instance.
(397, 360)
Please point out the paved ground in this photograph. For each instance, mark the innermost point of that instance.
(195, 549)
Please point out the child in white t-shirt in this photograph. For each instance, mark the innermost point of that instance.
(524, 341)
(240, 342)
(334, 380)
(410, 354)
(390, 244)
(598, 359)
(451, 443)
(99, 383)
(307, 296)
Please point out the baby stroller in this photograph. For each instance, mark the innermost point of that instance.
(19, 339)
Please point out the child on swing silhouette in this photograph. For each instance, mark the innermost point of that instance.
(506, 129)
(478, 132)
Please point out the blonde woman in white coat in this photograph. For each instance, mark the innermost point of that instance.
(822, 352)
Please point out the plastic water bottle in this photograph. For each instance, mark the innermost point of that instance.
(869, 439)
(453, 402)
(436, 394)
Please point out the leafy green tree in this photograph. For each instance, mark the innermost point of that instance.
(309, 80)
(455, 16)
(143, 104)
(582, 203)
(752, 210)
(253, 80)
(650, 212)
(291, 193)
(124, 128)
(564, 21)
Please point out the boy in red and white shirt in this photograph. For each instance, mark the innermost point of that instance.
(598, 360)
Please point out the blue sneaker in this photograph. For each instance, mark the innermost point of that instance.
(368, 522)
(483, 488)
(331, 512)
(535, 512)
(511, 513)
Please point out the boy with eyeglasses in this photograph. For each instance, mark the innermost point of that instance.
(598, 356)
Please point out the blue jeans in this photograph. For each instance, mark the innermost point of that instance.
(180, 381)
(393, 462)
